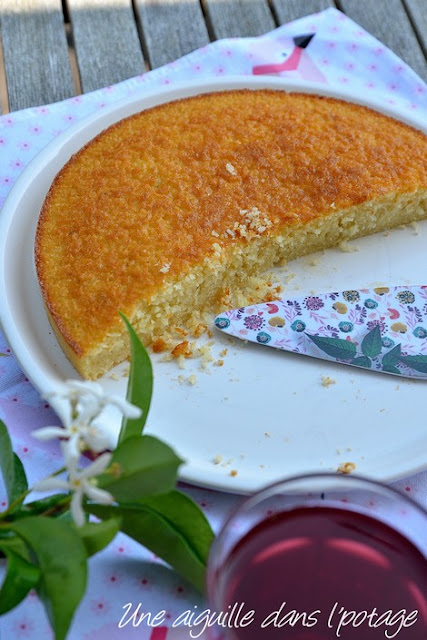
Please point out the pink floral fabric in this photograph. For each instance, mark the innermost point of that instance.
(327, 48)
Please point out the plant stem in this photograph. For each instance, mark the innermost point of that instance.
(15, 503)
(22, 497)
(65, 502)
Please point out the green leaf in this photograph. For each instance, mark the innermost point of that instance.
(11, 467)
(391, 369)
(418, 363)
(21, 577)
(172, 526)
(140, 385)
(20, 485)
(371, 343)
(9, 540)
(334, 347)
(187, 518)
(62, 559)
(362, 361)
(146, 466)
(97, 535)
(7, 463)
(391, 359)
(51, 504)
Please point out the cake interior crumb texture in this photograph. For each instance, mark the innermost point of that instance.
(167, 211)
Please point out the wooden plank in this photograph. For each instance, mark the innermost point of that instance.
(417, 10)
(238, 18)
(35, 52)
(287, 10)
(170, 28)
(388, 21)
(106, 40)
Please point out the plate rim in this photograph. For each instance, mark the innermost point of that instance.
(113, 113)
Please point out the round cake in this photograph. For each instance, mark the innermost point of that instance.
(162, 212)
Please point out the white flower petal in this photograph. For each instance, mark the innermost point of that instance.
(68, 448)
(48, 433)
(94, 493)
(80, 387)
(73, 449)
(128, 410)
(89, 406)
(76, 508)
(51, 484)
(98, 466)
(96, 438)
(61, 391)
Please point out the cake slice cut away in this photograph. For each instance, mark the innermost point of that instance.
(163, 211)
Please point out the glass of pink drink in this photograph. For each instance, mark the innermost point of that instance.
(319, 557)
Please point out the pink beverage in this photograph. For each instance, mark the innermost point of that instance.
(319, 573)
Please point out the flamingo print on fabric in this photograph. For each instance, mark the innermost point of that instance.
(298, 60)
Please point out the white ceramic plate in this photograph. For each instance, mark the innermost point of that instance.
(265, 413)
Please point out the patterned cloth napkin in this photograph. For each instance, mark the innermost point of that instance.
(327, 48)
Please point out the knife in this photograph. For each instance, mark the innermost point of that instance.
(381, 329)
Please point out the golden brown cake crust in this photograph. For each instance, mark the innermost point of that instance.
(152, 195)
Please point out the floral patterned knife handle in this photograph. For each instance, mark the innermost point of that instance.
(382, 329)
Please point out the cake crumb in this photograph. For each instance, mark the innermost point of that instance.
(346, 468)
(223, 353)
(217, 250)
(219, 363)
(254, 223)
(217, 459)
(231, 169)
(326, 381)
(165, 268)
(346, 247)
(182, 349)
(205, 354)
(199, 330)
(233, 473)
(181, 362)
(290, 277)
(159, 346)
(167, 357)
(415, 227)
(114, 376)
(182, 332)
(267, 434)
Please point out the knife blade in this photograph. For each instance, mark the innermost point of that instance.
(381, 329)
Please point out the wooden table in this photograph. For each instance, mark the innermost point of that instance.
(52, 50)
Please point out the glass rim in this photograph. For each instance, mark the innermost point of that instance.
(257, 496)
